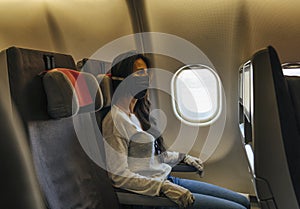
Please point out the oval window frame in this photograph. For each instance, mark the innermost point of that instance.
(176, 109)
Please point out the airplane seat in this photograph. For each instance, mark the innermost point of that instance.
(105, 83)
(294, 89)
(54, 105)
(19, 187)
(276, 134)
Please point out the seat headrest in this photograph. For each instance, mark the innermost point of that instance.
(93, 66)
(105, 84)
(70, 92)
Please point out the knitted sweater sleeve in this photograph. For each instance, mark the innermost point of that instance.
(172, 158)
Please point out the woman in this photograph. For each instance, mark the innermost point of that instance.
(136, 158)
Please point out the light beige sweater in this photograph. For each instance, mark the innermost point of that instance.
(130, 155)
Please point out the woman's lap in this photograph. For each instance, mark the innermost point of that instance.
(211, 196)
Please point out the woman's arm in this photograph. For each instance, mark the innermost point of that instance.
(122, 177)
(172, 158)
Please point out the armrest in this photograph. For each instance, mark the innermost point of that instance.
(182, 167)
(130, 198)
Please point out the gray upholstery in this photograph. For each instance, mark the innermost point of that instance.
(68, 177)
(19, 188)
(24, 69)
(66, 99)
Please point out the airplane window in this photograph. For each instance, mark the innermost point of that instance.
(196, 95)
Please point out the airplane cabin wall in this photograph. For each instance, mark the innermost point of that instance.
(275, 23)
(78, 28)
(212, 27)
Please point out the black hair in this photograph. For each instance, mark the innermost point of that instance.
(122, 66)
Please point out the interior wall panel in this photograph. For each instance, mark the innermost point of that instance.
(78, 27)
(212, 27)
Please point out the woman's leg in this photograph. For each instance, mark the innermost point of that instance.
(211, 202)
(209, 190)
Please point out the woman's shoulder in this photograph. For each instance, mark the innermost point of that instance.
(114, 115)
(117, 122)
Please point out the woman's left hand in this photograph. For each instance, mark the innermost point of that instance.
(196, 162)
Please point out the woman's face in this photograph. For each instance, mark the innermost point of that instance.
(141, 81)
(140, 68)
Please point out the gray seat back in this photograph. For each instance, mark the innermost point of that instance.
(276, 134)
(67, 176)
(19, 187)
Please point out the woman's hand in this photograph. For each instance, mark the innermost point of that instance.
(196, 162)
(180, 195)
